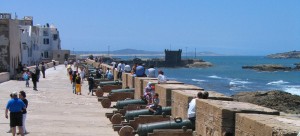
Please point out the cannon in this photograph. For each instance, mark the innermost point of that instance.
(177, 123)
(129, 107)
(101, 84)
(130, 115)
(116, 95)
(135, 113)
(100, 92)
(121, 104)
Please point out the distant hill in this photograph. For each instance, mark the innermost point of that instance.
(143, 52)
(285, 55)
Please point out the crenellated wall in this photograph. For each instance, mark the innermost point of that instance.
(216, 116)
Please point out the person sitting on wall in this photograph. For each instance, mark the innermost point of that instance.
(151, 71)
(192, 106)
(161, 77)
(109, 74)
(148, 92)
(140, 71)
(155, 108)
(127, 68)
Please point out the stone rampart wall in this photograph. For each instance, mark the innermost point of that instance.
(218, 115)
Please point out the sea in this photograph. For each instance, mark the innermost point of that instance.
(227, 76)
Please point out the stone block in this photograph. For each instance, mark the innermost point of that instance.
(182, 98)
(216, 117)
(125, 80)
(266, 125)
(130, 81)
(115, 74)
(138, 86)
(165, 91)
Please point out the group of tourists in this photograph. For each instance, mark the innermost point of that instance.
(34, 74)
(16, 107)
(76, 80)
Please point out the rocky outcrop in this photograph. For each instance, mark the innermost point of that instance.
(268, 67)
(278, 100)
(200, 65)
(285, 55)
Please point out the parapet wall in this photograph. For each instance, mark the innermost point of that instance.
(216, 116)
(4, 76)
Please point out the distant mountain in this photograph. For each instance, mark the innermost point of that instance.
(285, 55)
(134, 51)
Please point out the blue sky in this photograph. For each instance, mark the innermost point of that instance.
(235, 27)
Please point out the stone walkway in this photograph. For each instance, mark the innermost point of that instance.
(53, 109)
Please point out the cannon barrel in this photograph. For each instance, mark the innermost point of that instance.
(122, 90)
(110, 83)
(144, 129)
(135, 113)
(123, 103)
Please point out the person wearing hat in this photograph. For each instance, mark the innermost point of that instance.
(15, 107)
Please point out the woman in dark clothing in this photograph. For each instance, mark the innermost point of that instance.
(34, 79)
(91, 84)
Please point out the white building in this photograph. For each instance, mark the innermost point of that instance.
(38, 43)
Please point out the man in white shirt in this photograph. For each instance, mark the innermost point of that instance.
(151, 71)
(192, 106)
(161, 77)
(127, 68)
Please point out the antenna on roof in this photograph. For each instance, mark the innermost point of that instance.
(16, 16)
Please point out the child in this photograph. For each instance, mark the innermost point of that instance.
(26, 76)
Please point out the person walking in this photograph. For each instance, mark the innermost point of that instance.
(91, 84)
(43, 69)
(22, 96)
(15, 107)
(66, 63)
(74, 75)
(38, 72)
(54, 63)
(34, 79)
(78, 84)
(82, 73)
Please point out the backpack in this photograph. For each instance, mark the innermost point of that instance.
(25, 76)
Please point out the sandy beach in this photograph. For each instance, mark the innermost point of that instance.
(55, 111)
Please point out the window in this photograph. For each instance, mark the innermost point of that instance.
(46, 41)
(46, 54)
(58, 55)
(45, 33)
(55, 36)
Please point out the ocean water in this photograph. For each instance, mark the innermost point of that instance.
(228, 77)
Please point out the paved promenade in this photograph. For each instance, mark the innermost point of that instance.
(53, 109)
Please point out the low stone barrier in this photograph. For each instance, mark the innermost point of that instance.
(115, 74)
(266, 125)
(130, 79)
(165, 91)
(125, 80)
(4, 76)
(182, 98)
(217, 118)
(138, 86)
